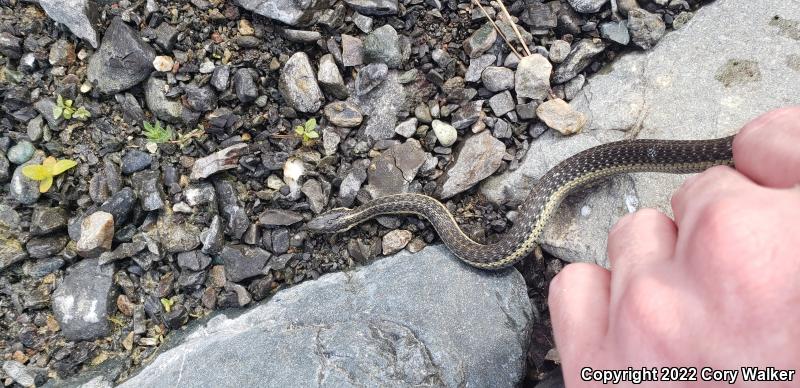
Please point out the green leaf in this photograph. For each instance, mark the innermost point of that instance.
(311, 124)
(299, 130)
(312, 135)
(67, 113)
(167, 303)
(82, 114)
(68, 103)
(148, 126)
(36, 172)
(60, 101)
(57, 110)
(61, 166)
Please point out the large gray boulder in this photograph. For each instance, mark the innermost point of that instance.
(83, 301)
(122, 61)
(406, 320)
(687, 87)
(291, 12)
(80, 16)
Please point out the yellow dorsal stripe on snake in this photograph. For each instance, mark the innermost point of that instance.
(581, 169)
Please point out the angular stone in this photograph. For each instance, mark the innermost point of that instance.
(279, 217)
(83, 301)
(480, 157)
(343, 114)
(502, 103)
(480, 41)
(330, 78)
(497, 79)
(298, 84)
(122, 61)
(80, 16)
(532, 79)
(243, 262)
(290, 12)
(646, 28)
(224, 159)
(559, 115)
(577, 60)
(477, 66)
(383, 46)
(97, 233)
(374, 7)
(352, 51)
(587, 6)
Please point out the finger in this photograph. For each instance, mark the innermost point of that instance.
(638, 241)
(578, 302)
(766, 149)
(704, 188)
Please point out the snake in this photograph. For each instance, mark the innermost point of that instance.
(583, 169)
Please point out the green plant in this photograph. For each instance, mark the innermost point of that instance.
(45, 172)
(65, 109)
(308, 131)
(158, 134)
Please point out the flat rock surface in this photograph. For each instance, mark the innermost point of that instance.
(393, 323)
(696, 94)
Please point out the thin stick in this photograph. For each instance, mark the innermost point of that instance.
(514, 26)
(477, 2)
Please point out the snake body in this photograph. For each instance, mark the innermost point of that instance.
(579, 170)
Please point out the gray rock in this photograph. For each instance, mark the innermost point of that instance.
(120, 205)
(633, 95)
(20, 152)
(381, 105)
(280, 241)
(383, 46)
(616, 32)
(291, 12)
(501, 129)
(388, 324)
(213, 237)
(301, 36)
(587, 6)
(343, 114)
(200, 98)
(164, 108)
(646, 28)
(477, 66)
(244, 84)
(19, 373)
(10, 45)
(62, 53)
(480, 41)
(395, 168)
(298, 84)
(132, 112)
(541, 17)
(41, 247)
(374, 7)
(577, 60)
(200, 194)
(83, 302)
(330, 78)
(224, 159)
(369, 77)
(135, 160)
(174, 235)
(193, 260)
(45, 108)
(80, 16)
(279, 217)
(467, 114)
(23, 189)
(243, 262)
(502, 103)
(4, 166)
(220, 78)
(497, 79)
(527, 111)
(42, 267)
(677, 23)
(532, 79)
(149, 189)
(480, 157)
(166, 36)
(35, 130)
(352, 181)
(122, 61)
(364, 23)
(573, 86)
(352, 51)
(559, 50)
(317, 200)
(407, 128)
(46, 220)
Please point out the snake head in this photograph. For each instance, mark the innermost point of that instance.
(329, 222)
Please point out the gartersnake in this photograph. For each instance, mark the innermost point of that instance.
(581, 169)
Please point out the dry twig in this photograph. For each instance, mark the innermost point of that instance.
(514, 27)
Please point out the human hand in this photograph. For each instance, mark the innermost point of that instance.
(719, 287)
